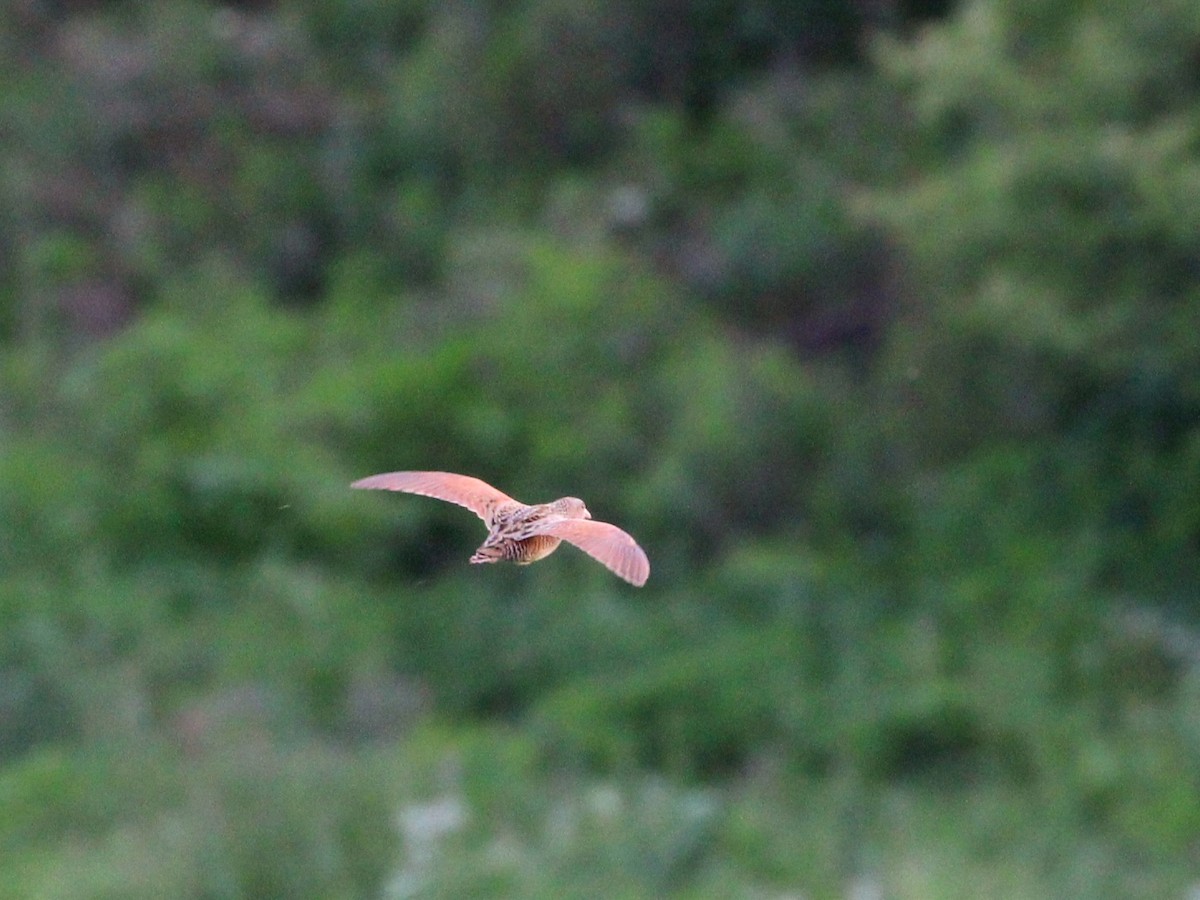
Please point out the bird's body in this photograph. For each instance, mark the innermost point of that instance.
(520, 532)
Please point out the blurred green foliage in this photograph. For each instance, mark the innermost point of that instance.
(874, 323)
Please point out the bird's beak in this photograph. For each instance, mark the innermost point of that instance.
(586, 514)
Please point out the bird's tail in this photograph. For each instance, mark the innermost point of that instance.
(488, 555)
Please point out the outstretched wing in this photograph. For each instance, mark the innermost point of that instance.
(478, 496)
(605, 543)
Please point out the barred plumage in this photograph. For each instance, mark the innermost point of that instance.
(521, 533)
(521, 552)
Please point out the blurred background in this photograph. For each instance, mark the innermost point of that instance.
(875, 321)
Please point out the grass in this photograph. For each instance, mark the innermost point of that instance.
(479, 812)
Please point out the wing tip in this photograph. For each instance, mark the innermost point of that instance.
(641, 571)
(394, 481)
(368, 483)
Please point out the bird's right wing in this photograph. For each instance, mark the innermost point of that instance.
(603, 542)
(478, 496)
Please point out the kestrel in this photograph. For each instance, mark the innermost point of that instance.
(522, 533)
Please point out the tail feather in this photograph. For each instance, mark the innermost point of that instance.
(487, 555)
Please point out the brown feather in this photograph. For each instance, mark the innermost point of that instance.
(605, 543)
(476, 495)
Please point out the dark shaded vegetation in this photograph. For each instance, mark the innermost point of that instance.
(874, 322)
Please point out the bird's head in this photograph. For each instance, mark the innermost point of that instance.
(572, 508)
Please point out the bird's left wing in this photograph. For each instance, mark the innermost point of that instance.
(478, 496)
(603, 542)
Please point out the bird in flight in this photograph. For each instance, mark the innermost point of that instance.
(519, 532)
